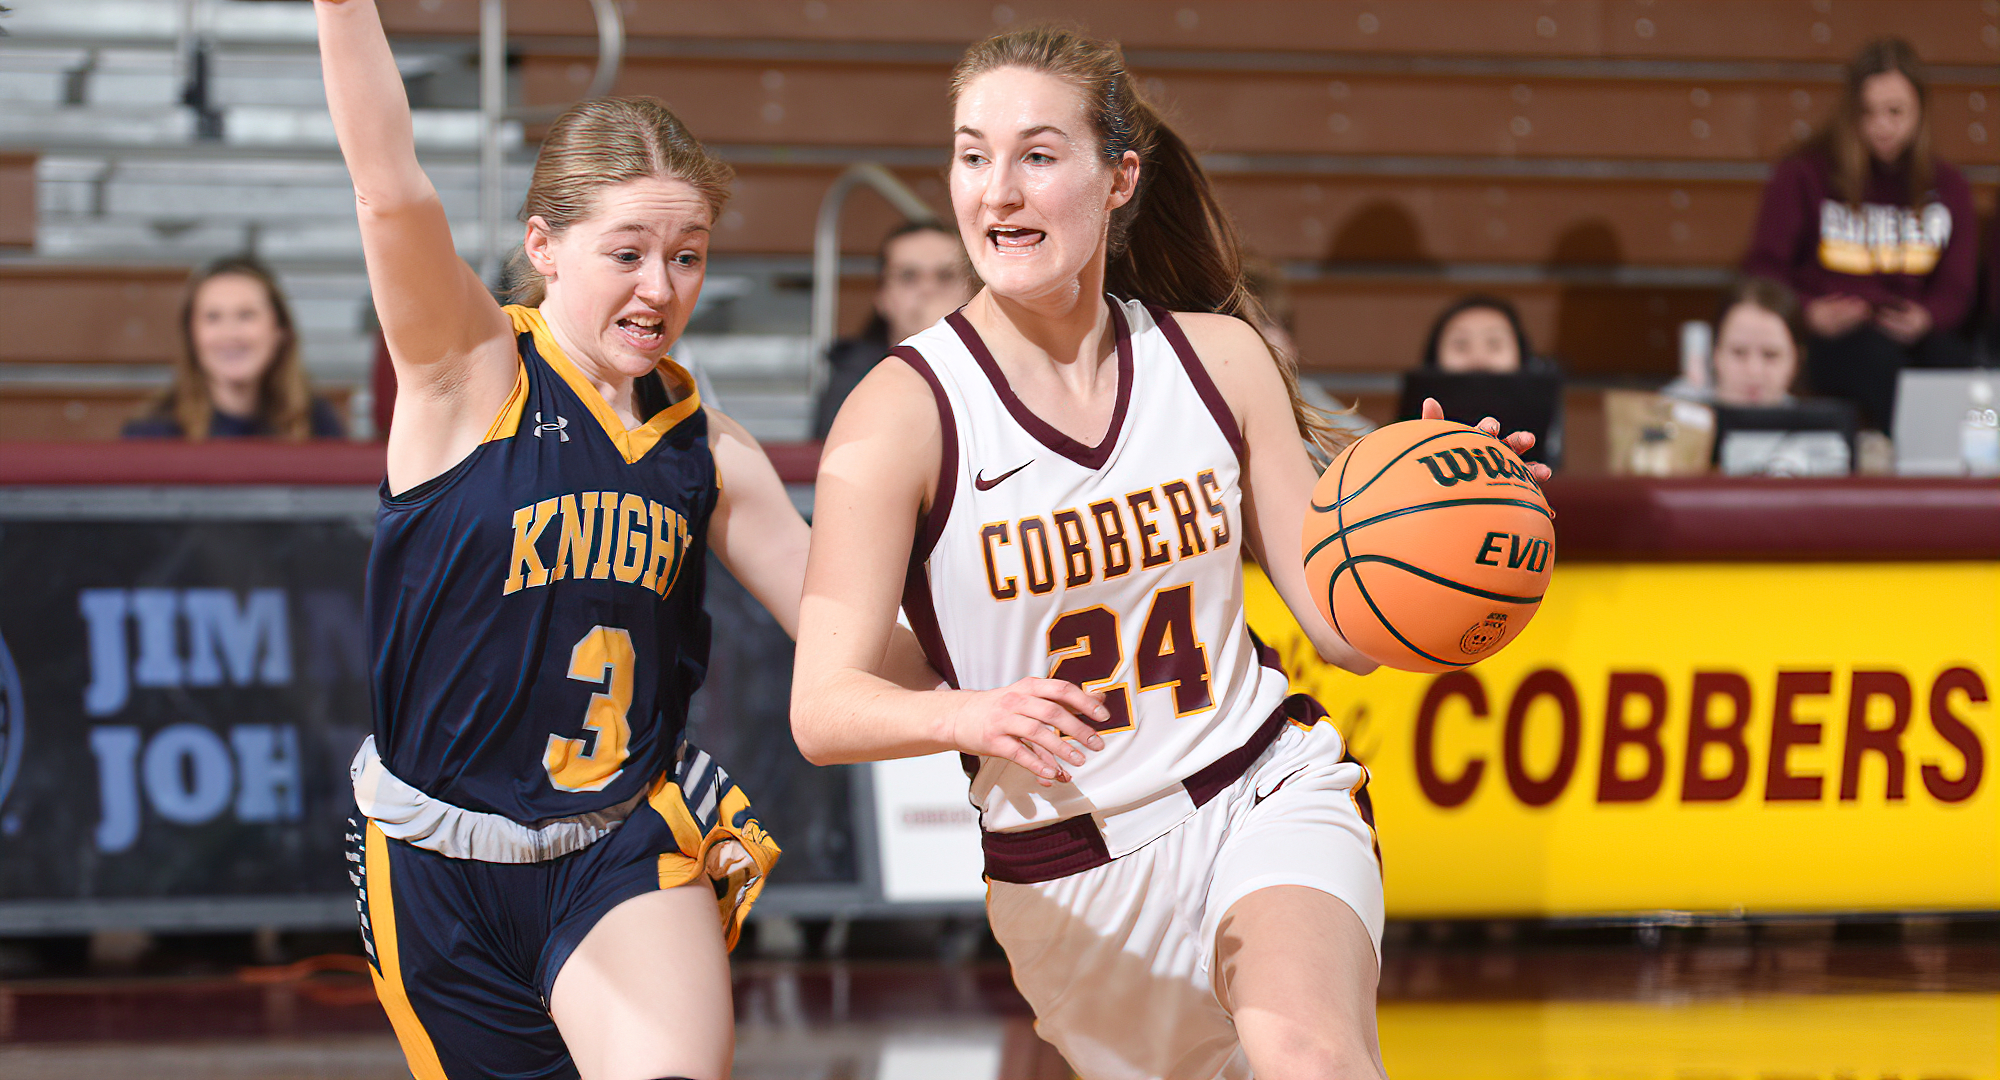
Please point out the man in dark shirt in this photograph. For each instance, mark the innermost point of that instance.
(924, 278)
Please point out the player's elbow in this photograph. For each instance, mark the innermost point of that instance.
(1344, 656)
(1356, 663)
(812, 728)
(813, 754)
(391, 196)
(812, 750)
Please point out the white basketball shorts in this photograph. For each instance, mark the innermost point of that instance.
(1117, 961)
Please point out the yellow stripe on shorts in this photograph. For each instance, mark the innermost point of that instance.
(417, 1047)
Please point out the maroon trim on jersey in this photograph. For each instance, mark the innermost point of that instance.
(1198, 375)
(922, 613)
(1068, 847)
(1073, 845)
(1209, 781)
(918, 606)
(1090, 457)
(947, 485)
(1266, 655)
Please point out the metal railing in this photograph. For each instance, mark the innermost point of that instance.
(493, 113)
(826, 254)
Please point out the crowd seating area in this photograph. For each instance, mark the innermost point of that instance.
(1596, 161)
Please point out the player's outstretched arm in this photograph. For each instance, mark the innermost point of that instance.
(451, 344)
(850, 701)
(1278, 476)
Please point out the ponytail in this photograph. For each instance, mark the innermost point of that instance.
(1171, 243)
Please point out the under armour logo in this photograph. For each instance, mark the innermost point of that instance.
(557, 427)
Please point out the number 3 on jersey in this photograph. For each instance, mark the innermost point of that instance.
(604, 656)
(1087, 650)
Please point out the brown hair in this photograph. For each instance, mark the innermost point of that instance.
(284, 398)
(1171, 244)
(877, 328)
(1839, 139)
(1774, 297)
(1523, 347)
(606, 141)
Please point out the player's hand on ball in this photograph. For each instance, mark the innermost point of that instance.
(1026, 723)
(1520, 441)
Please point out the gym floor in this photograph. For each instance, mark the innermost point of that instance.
(1912, 999)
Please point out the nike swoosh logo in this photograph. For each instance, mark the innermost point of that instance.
(979, 479)
(1258, 799)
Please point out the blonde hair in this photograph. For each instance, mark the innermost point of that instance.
(284, 397)
(606, 141)
(1171, 243)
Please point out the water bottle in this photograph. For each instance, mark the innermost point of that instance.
(1979, 434)
(1697, 341)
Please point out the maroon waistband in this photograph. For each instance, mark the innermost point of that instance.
(1073, 845)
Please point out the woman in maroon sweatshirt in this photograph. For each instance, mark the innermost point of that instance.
(1875, 234)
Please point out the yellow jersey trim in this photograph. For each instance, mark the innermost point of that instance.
(507, 423)
(418, 1049)
(632, 443)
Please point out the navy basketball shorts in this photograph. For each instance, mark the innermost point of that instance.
(465, 953)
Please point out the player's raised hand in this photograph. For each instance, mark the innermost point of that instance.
(1026, 723)
(1520, 441)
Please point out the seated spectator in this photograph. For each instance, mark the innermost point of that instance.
(239, 372)
(1755, 361)
(1481, 335)
(925, 277)
(1875, 234)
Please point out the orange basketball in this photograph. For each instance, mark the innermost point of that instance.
(1428, 545)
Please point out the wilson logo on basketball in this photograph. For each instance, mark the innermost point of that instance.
(1484, 634)
(1460, 464)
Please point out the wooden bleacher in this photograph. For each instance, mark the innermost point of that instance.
(17, 201)
(99, 364)
(1673, 30)
(1599, 162)
(71, 326)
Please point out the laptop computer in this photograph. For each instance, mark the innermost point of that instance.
(1527, 401)
(1930, 408)
(1809, 437)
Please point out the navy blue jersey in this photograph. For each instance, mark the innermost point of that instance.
(536, 611)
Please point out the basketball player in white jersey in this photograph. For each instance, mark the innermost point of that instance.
(1059, 487)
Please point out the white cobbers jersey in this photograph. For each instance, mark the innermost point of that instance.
(1117, 567)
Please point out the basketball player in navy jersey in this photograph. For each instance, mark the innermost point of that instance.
(550, 875)
(1059, 483)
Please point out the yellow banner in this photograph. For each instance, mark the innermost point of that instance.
(1769, 737)
(1795, 1036)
